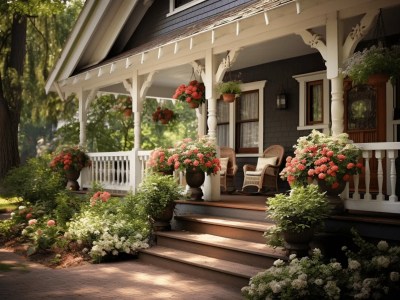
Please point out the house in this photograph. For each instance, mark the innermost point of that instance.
(295, 48)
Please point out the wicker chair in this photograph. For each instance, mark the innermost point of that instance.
(229, 167)
(267, 170)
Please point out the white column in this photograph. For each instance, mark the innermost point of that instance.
(211, 190)
(337, 106)
(82, 118)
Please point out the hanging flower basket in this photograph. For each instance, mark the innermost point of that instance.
(163, 115)
(193, 93)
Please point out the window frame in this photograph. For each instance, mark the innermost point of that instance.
(246, 87)
(174, 10)
(303, 79)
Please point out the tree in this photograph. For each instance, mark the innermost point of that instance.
(20, 83)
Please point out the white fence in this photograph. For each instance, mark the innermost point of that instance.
(115, 171)
(377, 200)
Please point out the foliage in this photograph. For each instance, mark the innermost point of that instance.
(194, 92)
(318, 156)
(155, 193)
(9, 204)
(305, 207)
(372, 272)
(67, 205)
(123, 103)
(69, 158)
(373, 60)
(108, 228)
(200, 153)
(229, 87)
(158, 160)
(42, 234)
(34, 182)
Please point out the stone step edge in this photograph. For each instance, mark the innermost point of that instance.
(227, 243)
(205, 262)
(227, 222)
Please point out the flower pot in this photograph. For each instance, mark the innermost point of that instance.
(228, 97)
(335, 202)
(298, 242)
(164, 121)
(195, 178)
(72, 176)
(162, 222)
(193, 104)
(378, 78)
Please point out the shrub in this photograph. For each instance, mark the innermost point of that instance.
(34, 182)
(108, 228)
(67, 206)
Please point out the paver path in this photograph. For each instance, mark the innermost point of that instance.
(22, 279)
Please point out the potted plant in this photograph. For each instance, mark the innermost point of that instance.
(158, 161)
(155, 198)
(195, 158)
(229, 90)
(193, 93)
(164, 115)
(297, 215)
(371, 61)
(70, 160)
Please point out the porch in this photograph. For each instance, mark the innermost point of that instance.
(374, 191)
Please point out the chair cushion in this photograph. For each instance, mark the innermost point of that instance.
(254, 173)
(224, 163)
(263, 161)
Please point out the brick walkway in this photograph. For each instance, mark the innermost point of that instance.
(121, 280)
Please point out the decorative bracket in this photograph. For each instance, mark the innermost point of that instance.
(198, 70)
(358, 32)
(226, 63)
(314, 41)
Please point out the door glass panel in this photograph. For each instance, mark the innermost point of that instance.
(361, 108)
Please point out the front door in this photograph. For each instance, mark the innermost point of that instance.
(365, 118)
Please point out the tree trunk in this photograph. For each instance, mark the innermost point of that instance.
(11, 97)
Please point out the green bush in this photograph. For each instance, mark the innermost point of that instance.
(34, 182)
(67, 206)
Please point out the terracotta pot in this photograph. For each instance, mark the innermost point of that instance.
(335, 202)
(378, 78)
(195, 178)
(164, 121)
(72, 176)
(228, 97)
(193, 104)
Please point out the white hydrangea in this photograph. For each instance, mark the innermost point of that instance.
(383, 246)
(353, 264)
(299, 284)
(278, 263)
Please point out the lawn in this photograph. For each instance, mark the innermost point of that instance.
(8, 204)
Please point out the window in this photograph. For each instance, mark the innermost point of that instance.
(315, 97)
(176, 6)
(313, 101)
(240, 124)
(247, 118)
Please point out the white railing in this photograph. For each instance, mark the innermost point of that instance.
(115, 171)
(376, 201)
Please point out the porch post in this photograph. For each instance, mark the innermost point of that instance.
(85, 98)
(212, 190)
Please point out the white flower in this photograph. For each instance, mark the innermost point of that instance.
(336, 266)
(21, 207)
(302, 277)
(383, 246)
(292, 256)
(24, 232)
(353, 264)
(114, 252)
(279, 262)
(383, 261)
(79, 242)
(12, 214)
(299, 284)
(316, 251)
(275, 287)
(319, 281)
(394, 276)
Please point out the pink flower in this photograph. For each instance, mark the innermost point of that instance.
(321, 176)
(51, 223)
(32, 222)
(105, 196)
(28, 216)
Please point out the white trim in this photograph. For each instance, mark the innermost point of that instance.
(302, 79)
(173, 10)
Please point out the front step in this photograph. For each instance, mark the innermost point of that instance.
(222, 271)
(250, 253)
(246, 230)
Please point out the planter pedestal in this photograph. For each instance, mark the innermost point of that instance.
(72, 183)
(298, 242)
(332, 195)
(195, 179)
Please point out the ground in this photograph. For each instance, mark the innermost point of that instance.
(53, 259)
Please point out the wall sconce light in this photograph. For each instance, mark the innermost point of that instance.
(281, 101)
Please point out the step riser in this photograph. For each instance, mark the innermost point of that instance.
(230, 280)
(253, 215)
(216, 252)
(224, 231)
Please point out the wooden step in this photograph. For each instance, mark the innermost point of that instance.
(254, 254)
(225, 272)
(246, 230)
